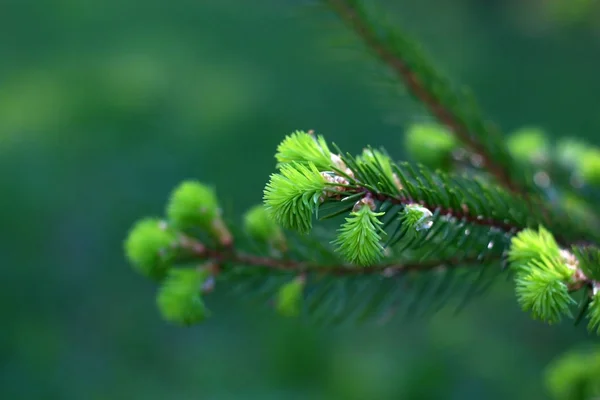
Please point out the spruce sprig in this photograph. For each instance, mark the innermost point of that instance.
(359, 238)
(420, 213)
(150, 246)
(406, 230)
(302, 147)
(179, 298)
(292, 195)
(544, 293)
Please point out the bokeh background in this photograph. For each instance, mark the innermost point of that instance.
(106, 105)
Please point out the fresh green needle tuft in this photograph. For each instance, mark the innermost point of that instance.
(292, 194)
(179, 298)
(544, 294)
(543, 272)
(529, 245)
(359, 239)
(149, 247)
(301, 147)
(193, 204)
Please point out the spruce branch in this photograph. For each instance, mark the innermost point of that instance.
(409, 234)
(358, 252)
(402, 221)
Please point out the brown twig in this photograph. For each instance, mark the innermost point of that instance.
(230, 255)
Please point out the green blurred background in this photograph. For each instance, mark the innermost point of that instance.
(106, 105)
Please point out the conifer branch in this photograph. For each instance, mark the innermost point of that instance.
(415, 224)
(351, 13)
(401, 222)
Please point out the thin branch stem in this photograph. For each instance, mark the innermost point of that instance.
(388, 56)
(230, 255)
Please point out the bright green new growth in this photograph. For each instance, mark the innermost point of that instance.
(547, 275)
(304, 148)
(542, 275)
(529, 245)
(193, 204)
(292, 195)
(179, 298)
(359, 239)
(528, 144)
(431, 144)
(544, 294)
(259, 225)
(150, 247)
(288, 301)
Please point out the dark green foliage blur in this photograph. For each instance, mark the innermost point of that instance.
(106, 105)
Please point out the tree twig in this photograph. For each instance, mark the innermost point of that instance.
(230, 255)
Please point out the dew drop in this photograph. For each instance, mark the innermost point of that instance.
(541, 179)
(426, 224)
(208, 285)
(388, 272)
